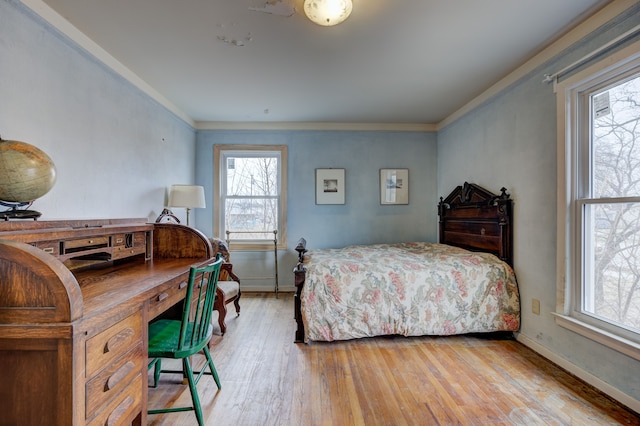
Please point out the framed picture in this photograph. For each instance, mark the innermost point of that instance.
(394, 186)
(329, 186)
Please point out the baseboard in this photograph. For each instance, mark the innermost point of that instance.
(617, 394)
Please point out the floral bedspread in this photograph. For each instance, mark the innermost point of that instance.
(409, 289)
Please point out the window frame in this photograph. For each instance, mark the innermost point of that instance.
(219, 166)
(574, 125)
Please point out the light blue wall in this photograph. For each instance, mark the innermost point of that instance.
(361, 219)
(511, 141)
(115, 149)
(117, 152)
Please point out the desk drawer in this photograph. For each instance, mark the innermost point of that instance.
(167, 296)
(86, 242)
(51, 247)
(108, 345)
(120, 252)
(113, 379)
(124, 408)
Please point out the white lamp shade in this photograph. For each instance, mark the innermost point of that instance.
(327, 12)
(189, 196)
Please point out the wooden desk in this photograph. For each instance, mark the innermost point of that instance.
(75, 300)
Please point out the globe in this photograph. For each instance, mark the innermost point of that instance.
(26, 172)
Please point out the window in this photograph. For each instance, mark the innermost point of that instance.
(599, 202)
(250, 193)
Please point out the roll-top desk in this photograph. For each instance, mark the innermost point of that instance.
(75, 300)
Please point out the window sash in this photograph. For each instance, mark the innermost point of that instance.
(583, 302)
(574, 186)
(264, 240)
(240, 232)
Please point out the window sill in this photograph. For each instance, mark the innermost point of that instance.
(605, 338)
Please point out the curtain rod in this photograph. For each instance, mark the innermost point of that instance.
(548, 78)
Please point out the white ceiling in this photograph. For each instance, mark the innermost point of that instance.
(392, 61)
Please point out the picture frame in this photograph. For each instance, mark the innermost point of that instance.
(394, 186)
(330, 186)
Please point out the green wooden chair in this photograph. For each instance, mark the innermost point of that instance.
(180, 339)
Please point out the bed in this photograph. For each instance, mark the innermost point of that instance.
(463, 284)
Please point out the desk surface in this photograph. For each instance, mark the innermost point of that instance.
(107, 288)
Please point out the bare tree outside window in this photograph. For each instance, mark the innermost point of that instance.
(611, 288)
(252, 196)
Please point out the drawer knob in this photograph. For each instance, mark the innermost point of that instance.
(119, 411)
(120, 374)
(117, 340)
(182, 285)
(162, 296)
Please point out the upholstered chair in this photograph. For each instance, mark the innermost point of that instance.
(228, 284)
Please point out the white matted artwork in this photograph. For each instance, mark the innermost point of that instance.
(330, 186)
(394, 186)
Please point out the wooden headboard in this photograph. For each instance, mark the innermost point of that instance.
(475, 219)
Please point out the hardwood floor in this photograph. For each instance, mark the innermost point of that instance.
(268, 380)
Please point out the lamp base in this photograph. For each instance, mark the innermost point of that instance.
(168, 214)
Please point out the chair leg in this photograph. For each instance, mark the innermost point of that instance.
(212, 367)
(237, 303)
(157, 369)
(222, 314)
(194, 391)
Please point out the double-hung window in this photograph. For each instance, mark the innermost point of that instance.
(250, 189)
(599, 202)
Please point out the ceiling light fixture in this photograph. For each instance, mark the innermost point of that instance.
(327, 12)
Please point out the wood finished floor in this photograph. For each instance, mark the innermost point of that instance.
(268, 380)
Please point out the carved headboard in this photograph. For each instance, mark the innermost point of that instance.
(475, 219)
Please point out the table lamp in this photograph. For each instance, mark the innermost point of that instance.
(188, 197)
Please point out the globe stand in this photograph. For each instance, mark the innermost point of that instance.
(16, 213)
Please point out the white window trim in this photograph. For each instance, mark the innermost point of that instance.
(566, 96)
(267, 244)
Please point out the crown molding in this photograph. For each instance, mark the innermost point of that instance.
(608, 12)
(78, 37)
(65, 27)
(325, 126)
(596, 20)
